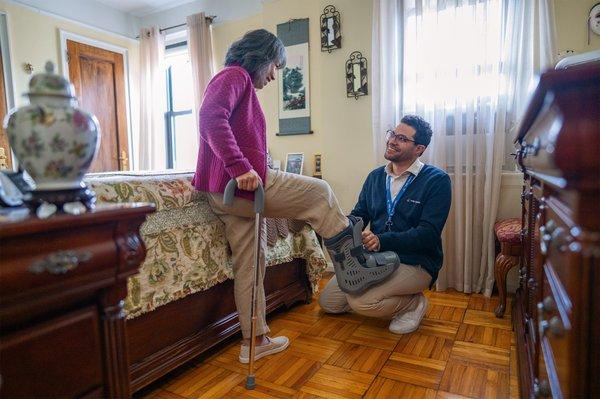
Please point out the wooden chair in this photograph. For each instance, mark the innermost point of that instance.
(508, 232)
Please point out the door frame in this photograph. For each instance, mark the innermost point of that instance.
(66, 35)
(9, 82)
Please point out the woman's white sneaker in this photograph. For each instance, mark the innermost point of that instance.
(275, 345)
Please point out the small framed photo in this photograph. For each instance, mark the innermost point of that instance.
(294, 162)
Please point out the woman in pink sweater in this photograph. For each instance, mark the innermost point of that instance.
(233, 146)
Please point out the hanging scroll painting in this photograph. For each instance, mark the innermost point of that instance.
(294, 79)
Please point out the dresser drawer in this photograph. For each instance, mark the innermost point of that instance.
(557, 347)
(559, 248)
(59, 263)
(60, 358)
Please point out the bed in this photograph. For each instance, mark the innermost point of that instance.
(181, 303)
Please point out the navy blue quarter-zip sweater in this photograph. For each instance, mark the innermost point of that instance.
(421, 212)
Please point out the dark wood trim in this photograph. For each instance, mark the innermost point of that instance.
(552, 80)
(101, 213)
(524, 357)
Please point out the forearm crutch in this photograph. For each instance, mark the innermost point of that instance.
(259, 204)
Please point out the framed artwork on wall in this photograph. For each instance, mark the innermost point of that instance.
(294, 79)
(294, 162)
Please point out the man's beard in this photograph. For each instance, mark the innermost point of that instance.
(396, 157)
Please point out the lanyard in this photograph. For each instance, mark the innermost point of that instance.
(391, 205)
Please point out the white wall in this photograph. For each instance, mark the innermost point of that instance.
(89, 12)
(571, 25)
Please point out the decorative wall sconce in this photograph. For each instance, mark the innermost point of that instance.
(356, 75)
(331, 34)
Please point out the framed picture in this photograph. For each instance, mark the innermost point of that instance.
(294, 162)
(294, 84)
(294, 79)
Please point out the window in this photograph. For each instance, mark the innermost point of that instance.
(179, 116)
(454, 72)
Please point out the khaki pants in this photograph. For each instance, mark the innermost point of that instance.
(394, 296)
(287, 195)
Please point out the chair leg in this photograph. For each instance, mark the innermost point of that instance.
(501, 267)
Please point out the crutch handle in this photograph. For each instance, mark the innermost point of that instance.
(259, 196)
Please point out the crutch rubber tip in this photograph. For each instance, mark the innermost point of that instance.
(250, 382)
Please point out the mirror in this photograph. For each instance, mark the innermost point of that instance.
(356, 75)
(330, 31)
(331, 36)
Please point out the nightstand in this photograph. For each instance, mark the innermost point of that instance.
(62, 285)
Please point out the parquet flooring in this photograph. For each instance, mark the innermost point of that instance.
(461, 350)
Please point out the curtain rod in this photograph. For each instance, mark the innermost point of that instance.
(210, 19)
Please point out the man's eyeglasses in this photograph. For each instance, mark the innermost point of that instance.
(390, 134)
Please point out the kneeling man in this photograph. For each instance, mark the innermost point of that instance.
(406, 203)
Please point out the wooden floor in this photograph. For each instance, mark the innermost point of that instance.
(461, 350)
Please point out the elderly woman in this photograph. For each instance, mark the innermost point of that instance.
(233, 145)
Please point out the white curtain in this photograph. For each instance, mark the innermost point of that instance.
(201, 58)
(468, 67)
(387, 45)
(152, 153)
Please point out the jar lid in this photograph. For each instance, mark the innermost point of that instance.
(50, 84)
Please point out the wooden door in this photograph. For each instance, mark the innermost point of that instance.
(99, 79)
(5, 155)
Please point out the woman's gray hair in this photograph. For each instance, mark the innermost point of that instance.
(255, 52)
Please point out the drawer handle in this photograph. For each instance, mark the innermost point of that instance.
(548, 304)
(546, 233)
(541, 389)
(60, 262)
(560, 238)
(555, 326)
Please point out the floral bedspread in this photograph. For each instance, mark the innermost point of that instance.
(185, 242)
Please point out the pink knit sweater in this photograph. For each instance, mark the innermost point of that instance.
(232, 132)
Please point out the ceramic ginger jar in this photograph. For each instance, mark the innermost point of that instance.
(54, 141)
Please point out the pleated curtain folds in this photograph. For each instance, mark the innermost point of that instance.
(201, 58)
(152, 145)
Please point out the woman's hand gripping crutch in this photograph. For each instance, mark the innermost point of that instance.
(259, 205)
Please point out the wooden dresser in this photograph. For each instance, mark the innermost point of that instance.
(62, 285)
(557, 311)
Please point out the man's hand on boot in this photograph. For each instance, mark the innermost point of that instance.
(370, 241)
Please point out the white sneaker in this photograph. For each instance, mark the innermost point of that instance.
(408, 322)
(275, 345)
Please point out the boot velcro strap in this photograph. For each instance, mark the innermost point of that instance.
(357, 251)
(339, 257)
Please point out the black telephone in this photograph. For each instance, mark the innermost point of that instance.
(13, 185)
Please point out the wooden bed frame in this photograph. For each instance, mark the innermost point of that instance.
(173, 334)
